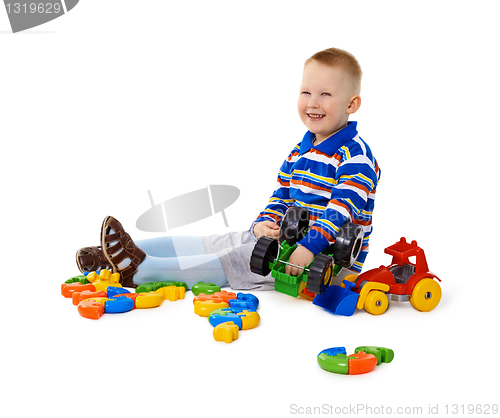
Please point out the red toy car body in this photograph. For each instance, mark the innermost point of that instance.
(407, 281)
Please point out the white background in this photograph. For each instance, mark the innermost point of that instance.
(119, 97)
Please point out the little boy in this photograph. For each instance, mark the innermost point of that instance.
(332, 172)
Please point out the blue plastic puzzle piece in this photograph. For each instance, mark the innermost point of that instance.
(334, 351)
(240, 305)
(119, 305)
(112, 291)
(338, 300)
(220, 316)
(248, 297)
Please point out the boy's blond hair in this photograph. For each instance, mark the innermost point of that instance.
(335, 57)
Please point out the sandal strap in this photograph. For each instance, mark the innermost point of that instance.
(125, 248)
(91, 259)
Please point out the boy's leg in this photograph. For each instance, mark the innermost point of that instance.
(234, 250)
(188, 269)
(172, 246)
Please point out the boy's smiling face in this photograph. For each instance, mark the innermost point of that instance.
(326, 99)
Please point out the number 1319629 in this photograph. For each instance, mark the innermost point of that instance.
(39, 8)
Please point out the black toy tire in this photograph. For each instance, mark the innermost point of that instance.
(294, 225)
(348, 244)
(264, 252)
(320, 274)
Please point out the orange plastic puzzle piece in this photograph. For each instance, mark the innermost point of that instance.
(67, 289)
(90, 309)
(225, 295)
(203, 297)
(87, 294)
(361, 362)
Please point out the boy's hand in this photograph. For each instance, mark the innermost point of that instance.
(300, 257)
(266, 228)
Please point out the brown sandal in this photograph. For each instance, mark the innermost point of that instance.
(91, 259)
(124, 248)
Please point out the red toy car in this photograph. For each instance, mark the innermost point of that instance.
(407, 281)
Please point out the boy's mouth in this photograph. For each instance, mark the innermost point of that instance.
(315, 116)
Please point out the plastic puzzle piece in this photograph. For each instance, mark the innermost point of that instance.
(204, 308)
(220, 316)
(104, 279)
(240, 305)
(202, 297)
(207, 288)
(361, 362)
(249, 319)
(225, 295)
(172, 293)
(119, 304)
(132, 296)
(148, 300)
(336, 360)
(86, 294)
(248, 297)
(112, 291)
(226, 331)
(80, 279)
(90, 309)
(68, 289)
(154, 286)
(383, 355)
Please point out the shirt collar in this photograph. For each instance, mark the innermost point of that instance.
(333, 143)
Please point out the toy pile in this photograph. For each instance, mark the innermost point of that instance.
(227, 312)
(96, 294)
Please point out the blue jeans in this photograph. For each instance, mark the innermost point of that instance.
(178, 258)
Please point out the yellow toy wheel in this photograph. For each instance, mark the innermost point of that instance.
(376, 302)
(426, 295)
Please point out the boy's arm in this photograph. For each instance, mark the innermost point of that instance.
(357, 178)
(280, 200)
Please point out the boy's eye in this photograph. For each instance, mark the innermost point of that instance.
(325, 94)
(305, 92)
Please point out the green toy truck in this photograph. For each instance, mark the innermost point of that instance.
(272, 256)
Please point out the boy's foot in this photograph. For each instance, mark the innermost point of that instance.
(120, 250)
(91, 259)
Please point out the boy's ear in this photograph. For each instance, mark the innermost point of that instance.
(354, 104)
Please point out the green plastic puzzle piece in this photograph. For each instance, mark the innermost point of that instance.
(338, 363)
(80, 279)
(206, 288)
(384, 355)
(153, 286)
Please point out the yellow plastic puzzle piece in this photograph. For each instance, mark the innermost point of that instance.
(249, 319)
(148, 300)
(227, 332)
(104, 279)
(172, 293)
(205, 307)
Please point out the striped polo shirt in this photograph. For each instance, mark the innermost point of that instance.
(336, 180)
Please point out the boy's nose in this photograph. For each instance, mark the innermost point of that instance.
(313, 102)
